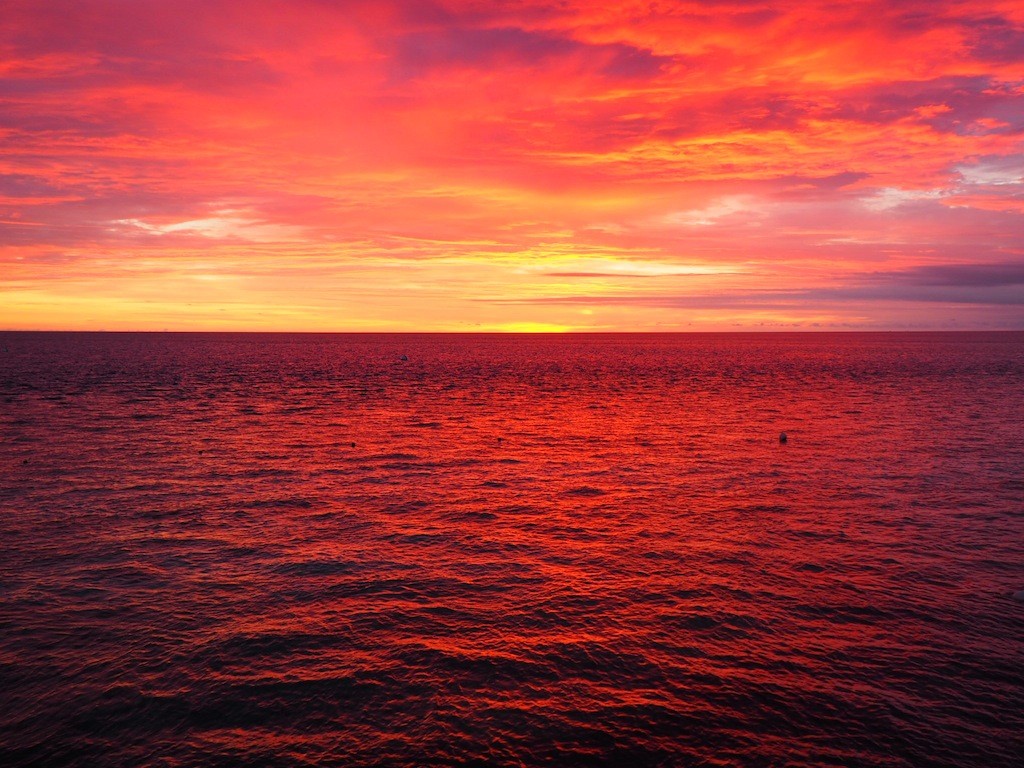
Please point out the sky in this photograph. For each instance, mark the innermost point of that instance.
(461, 165)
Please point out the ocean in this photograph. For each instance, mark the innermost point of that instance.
(512, 550)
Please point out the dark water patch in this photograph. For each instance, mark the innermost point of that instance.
(810, 567)
(281, 503)
(599, 662)
(767, 509)
(480, 515)
(297, 409)
(843, 614)
(407, 505)
(265, 472)
(316, 568)
(266, 647)
(584, 490)
(496, 670)
(462, 461)
(411, 589)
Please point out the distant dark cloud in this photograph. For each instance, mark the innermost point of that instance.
(414, 54)
(948, 104)
(972, 275)
(997, 284)
(204, 72)
(746, 108)
(999, 295)
(27, 186)
(997, 39)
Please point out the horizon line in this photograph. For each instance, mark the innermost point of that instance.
(169, 331)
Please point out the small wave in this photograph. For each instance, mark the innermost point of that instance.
(810, 567)
(282, 503)
(315, 568)
(584, 490)
(266, 472)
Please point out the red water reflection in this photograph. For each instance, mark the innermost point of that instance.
(583, 550)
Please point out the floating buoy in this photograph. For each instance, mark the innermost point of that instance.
(783, 438)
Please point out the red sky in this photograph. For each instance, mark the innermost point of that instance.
(464, 165)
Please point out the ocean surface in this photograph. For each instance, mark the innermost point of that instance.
(512, 550)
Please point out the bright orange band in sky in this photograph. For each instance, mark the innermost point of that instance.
(315, 165)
